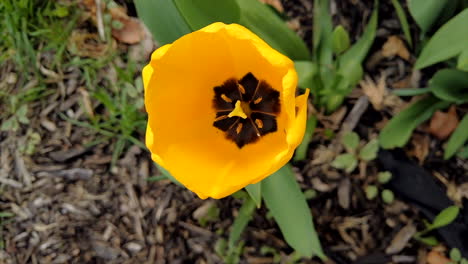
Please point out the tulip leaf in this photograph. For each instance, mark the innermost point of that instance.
(455, 32)
(323, 31)
(399, 129)
(287, 204)
(243, 217)
(450, 85)
(301, 151)
(306, 71)
(201, 13)
(162, 19)
(458, 138)
(462, 63)
(255, 192)
(426, 12)
(263, 21)
(403, 21)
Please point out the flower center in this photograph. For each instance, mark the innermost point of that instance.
(246, 109)
(241, 109)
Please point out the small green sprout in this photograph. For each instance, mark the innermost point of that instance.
(371, 192)
(444, 218)
(349, 161)
(455, 254)
(387, 196)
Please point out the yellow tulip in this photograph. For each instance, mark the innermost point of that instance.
(222, 110)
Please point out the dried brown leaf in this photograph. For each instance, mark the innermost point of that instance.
(443, 124)
(435, 257)
(376, 91)
(395, 46)
(274, 3)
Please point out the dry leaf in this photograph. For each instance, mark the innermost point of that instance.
(443, 124)
(274, 3)
(420, 147)
(132, 30)
(375, 91)
(86, 44)
(395, 46)
(435, 257)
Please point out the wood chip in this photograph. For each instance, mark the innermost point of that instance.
(401, 239)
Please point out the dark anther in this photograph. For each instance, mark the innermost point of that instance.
(262, 103)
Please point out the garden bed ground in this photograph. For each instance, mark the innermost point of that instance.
(73, 200)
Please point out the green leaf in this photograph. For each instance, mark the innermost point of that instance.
(306, 71)
(384, 177)
(450, 85)
(388, 196)
(243, 217)
(438, 48)
(369, 151)
(340, 40)
(458, 138)
(201, 13)
(301, 151)
(425, 12)
(371, 192)
(399, 129)
(356, 54)
(267, 25)
(463, 152)
(445, 217)
(255, 192)
(287, 204)
(430, 241)
(350, 141)
(403, 21)
(323, 29)
(346, 161)
(411, 91)
(462, 63)
(162, 19)
(455, 254)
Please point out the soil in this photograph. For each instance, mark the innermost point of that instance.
(72, 206)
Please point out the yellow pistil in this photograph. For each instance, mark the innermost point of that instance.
(240, 110)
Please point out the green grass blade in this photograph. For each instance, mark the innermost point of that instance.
(200, 13)
(162, 19)
(403, 21)
(167, 174)
(255, 192)
(449, 41)
(267, 25)
(288, 206)
(398, 131)
(457, 139)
